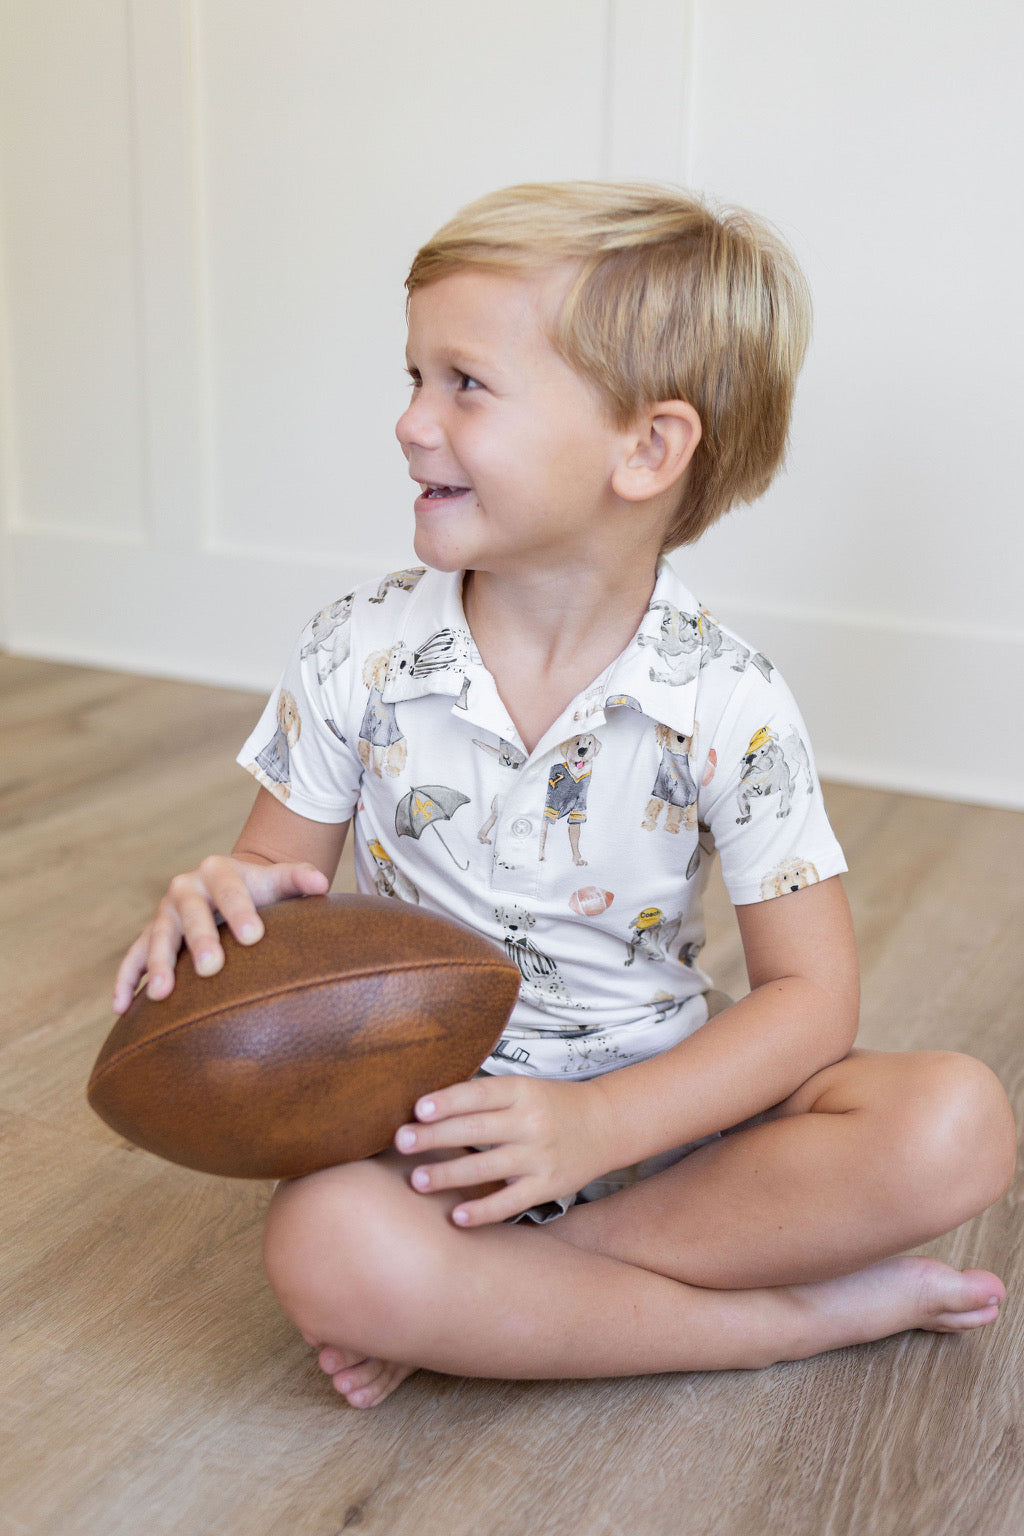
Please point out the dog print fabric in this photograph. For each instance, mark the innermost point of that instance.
(584, 860)
(272, 763)
(568, 784)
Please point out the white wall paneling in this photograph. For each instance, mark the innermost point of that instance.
(73, 454)
(887, 142)
(272, 170)
(207, 208)
(169, 273)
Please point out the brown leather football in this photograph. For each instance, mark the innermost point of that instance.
(311, 1047)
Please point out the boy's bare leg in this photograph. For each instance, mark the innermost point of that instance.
(874, 1155)
(377, 1273)
(356, 1256)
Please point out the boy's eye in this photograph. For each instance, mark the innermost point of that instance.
(414, 378)
(466, 382)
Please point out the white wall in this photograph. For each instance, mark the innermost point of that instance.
(887, 141)
(206, 212)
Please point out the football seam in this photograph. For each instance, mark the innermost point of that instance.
(370, 970)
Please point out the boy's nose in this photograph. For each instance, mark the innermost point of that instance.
(417, 426)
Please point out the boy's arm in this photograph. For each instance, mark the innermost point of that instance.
(551, 1138)
(800, 1016)
(275, 835)
(278, 855)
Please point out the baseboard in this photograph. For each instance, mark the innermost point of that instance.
(913, 708)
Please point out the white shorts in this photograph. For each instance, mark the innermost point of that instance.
(623, 1178)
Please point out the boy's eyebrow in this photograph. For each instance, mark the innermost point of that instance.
(463, 358)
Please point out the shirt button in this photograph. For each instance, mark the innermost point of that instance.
(522, 827)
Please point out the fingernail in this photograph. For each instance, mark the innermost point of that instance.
(251, 933)
(425, 1108)
(421, 1178)
(209, 965)
(405, 1140)
(461, 1217)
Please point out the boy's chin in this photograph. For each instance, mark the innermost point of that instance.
(430, 553)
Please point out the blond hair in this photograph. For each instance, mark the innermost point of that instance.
(674, 300)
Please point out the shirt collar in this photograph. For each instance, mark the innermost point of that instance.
(656, 674)
(433, 648)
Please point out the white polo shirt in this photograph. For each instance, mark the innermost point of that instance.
(587, 858)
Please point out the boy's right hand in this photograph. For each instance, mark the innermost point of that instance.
(233, 887)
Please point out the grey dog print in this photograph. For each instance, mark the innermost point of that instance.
(772, 767)
(678, 643)
(329, 641)
(675, 789)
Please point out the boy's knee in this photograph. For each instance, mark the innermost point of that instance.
(333, 1242)
(962, 1128)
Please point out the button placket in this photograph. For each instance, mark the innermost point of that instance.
(516, 863)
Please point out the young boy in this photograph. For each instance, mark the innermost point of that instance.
(544, 735)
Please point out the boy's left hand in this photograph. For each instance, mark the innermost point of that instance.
(544, 1137)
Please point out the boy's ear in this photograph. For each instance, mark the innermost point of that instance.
(664, 439)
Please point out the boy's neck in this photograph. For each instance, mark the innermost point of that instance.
(544, 638)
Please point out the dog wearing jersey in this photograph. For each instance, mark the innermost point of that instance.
(674, 787)
(568, 783)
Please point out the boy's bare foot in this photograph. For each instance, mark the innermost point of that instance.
(891, 1297)
(362, 1382)
(894, 1296)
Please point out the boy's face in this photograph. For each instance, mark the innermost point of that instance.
(513, 451)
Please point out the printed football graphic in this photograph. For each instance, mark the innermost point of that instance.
(588, 901)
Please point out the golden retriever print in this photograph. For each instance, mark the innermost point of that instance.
(568, 783)
(674, 787)
(273, 765)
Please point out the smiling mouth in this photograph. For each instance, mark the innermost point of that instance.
(442, 492)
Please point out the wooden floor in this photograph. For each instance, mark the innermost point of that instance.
(150, 1384)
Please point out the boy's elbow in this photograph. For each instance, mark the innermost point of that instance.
(839, 1010)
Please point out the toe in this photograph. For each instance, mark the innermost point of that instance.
(356, 1378)
(382, 1386)
(962, 1301)
(980, 1291)
(984, 1283)
(959, 1322)
(333, 1359)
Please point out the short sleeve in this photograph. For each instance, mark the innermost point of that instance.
(763, 804)
(303, 748)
